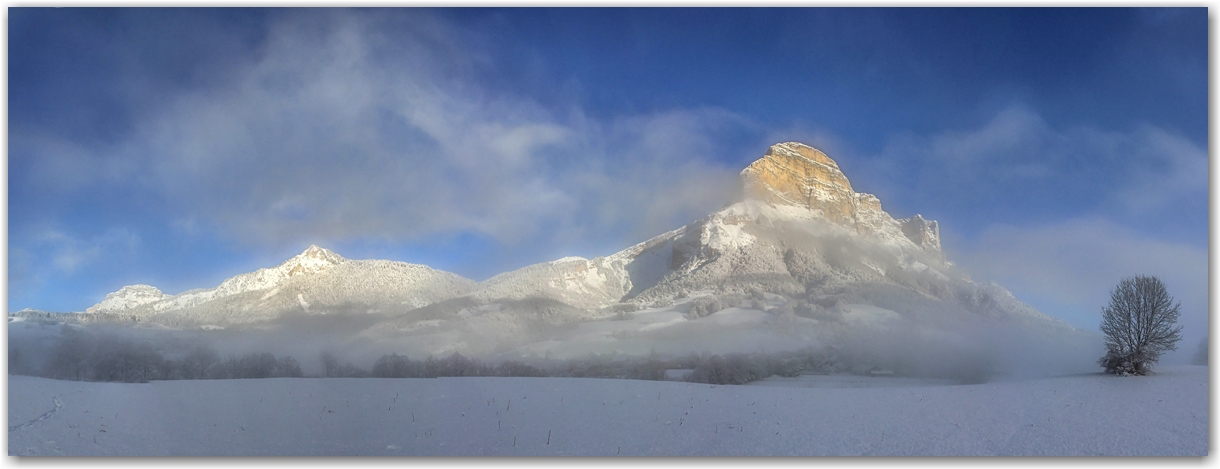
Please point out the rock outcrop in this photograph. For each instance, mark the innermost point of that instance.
(795, 174)
(924, 233)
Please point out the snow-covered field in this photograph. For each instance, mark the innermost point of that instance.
(1094, 414)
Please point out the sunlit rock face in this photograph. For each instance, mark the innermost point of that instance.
(795, 174)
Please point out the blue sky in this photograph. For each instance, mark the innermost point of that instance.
(1061, 149)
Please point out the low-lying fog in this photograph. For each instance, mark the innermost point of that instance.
(733, 345)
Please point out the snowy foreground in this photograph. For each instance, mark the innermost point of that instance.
(1162, 415)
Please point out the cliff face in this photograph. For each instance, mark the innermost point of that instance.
(795, 174)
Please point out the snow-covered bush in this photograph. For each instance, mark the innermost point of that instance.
(621, 311)
(1124, 365)
(734, 368)
(704, 306)
(826, 310)
(758, 294)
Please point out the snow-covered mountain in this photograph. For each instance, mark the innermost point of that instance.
(317, 280)
(801, 257)
(800, 231)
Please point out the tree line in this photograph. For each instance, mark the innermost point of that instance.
(84, 355)
(107, 355)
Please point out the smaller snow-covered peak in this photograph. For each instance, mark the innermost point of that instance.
(128, 297)
(139, 289)
(313, 259)
(797, 177)
(321, 254)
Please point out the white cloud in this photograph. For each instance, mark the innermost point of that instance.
(1073, 265)
(69, 254)
(334, 131)
(1169, 169)
(1018, 159)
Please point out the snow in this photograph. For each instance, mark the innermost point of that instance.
(1091, 414)
(668, 330)
(129, 297)
(270, 294)
(312, 260)
(721, 235)
(328, 281)
(868, 314)
(738, 317)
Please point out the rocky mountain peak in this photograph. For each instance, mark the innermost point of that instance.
(795, 174)
(313, 259)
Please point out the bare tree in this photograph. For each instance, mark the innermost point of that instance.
(330, 365)
(1139, 325)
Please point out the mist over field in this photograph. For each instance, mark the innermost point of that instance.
(966, 352)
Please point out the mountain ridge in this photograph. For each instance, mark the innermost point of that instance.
(800, 247)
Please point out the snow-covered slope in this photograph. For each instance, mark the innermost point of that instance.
(577, 281)
(128, 297)
(315, 281)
